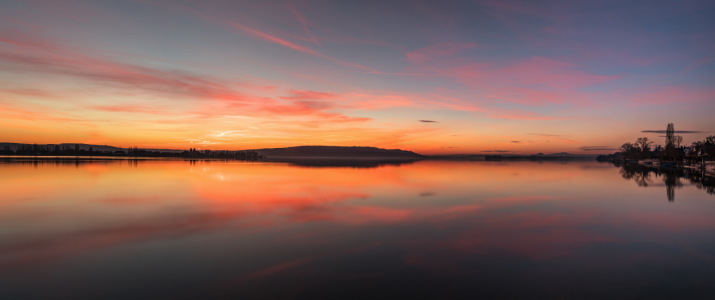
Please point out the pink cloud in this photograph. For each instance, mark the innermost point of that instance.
(672, 95)
(386, 99)
(533, 81)
(552, 73)
(46, 57)
(39, 56)
(535, 96)
(535, 72)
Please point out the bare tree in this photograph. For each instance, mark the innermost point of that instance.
(643, 144)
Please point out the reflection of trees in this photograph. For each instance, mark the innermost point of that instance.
(671, 177)
(671, 181)
(35, 161)
(703, 182)
(640, 176)
(343, 162)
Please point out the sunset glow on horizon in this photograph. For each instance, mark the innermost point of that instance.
(431, 77)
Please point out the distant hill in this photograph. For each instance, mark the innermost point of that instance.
(336, 152)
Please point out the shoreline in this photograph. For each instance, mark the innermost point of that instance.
(708, 169)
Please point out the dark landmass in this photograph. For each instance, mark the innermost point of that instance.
(303, 155)
(87, 150)
(300, 155)
(336, 156)
(336, 152)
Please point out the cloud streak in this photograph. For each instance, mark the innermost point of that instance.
(302, 20)
(302, 49)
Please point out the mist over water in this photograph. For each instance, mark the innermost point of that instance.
(427, 229)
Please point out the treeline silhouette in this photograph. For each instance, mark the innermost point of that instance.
(673, 151)
(222, 154)
(337, 151)
(76, 150)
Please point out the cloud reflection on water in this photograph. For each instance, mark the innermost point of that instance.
(310, 221)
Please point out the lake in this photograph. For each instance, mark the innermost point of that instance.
(429, 229)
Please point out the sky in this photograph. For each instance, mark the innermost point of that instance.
(434, 77)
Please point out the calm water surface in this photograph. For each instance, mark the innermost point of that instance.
(430, 229)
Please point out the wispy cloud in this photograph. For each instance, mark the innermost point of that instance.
(303, 21)
(34, 55)
(428, 121)
(273, 39)
(288, 44)
(270, 37)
